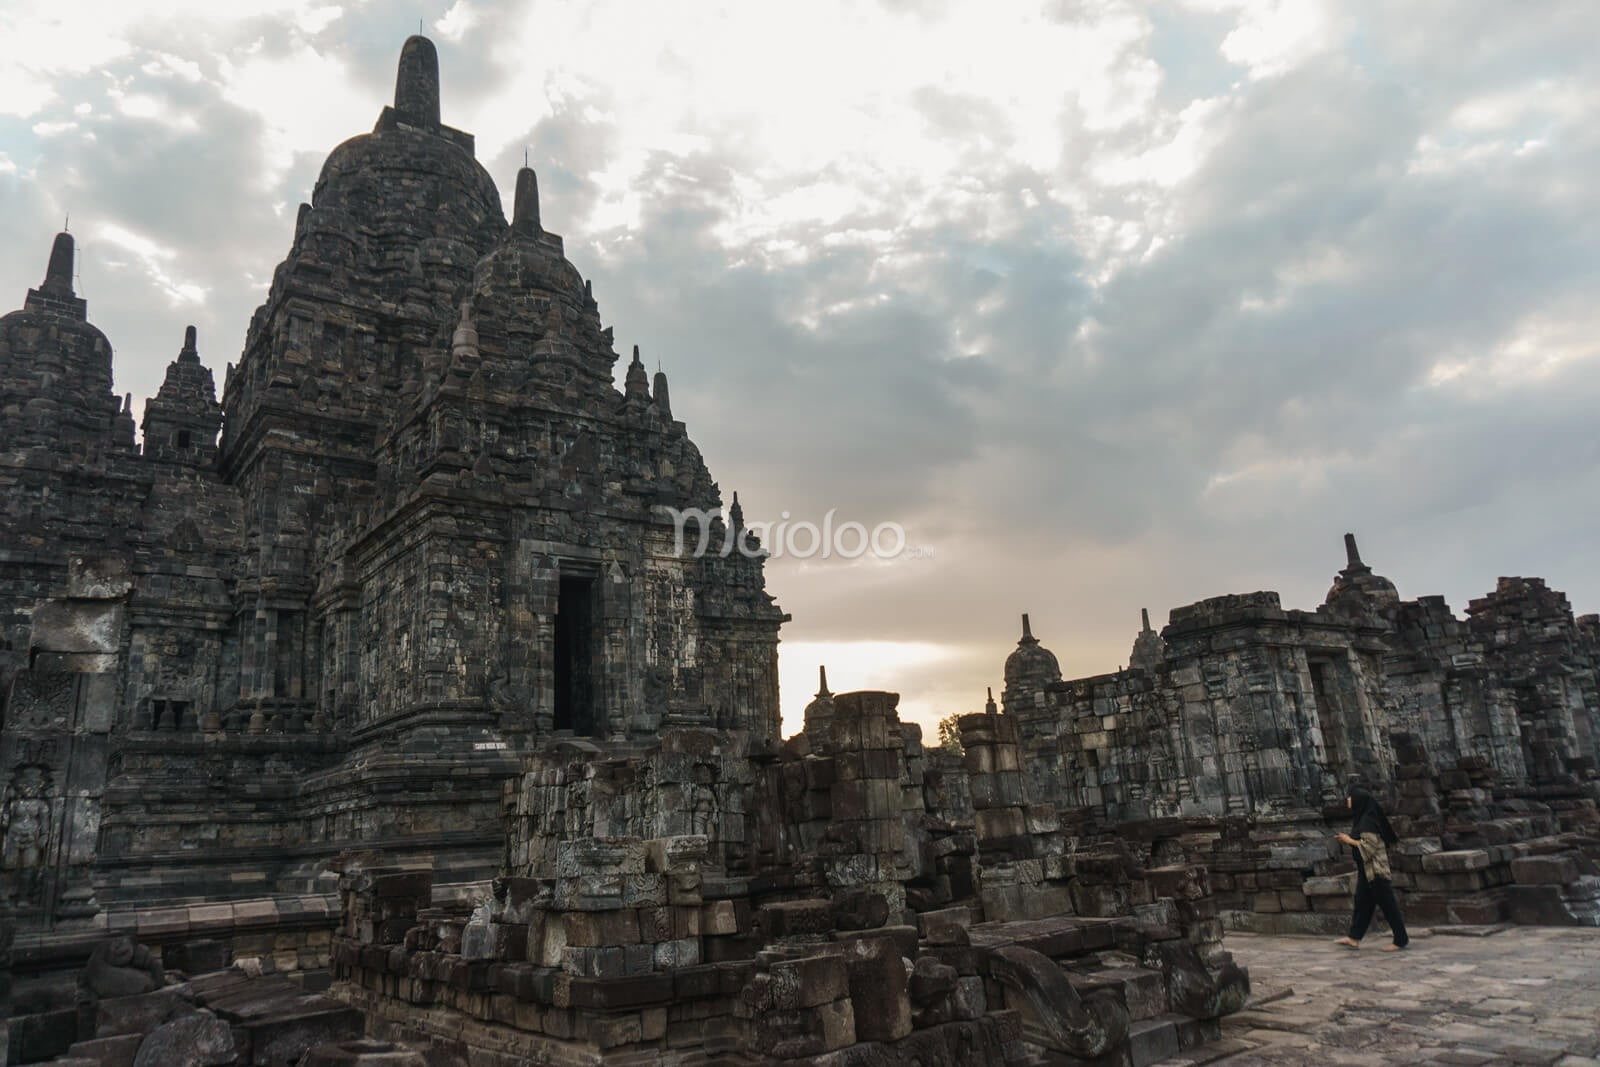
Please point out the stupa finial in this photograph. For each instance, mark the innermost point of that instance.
(1352, 554)
(416, 82)
(58, 275)
(525, 213)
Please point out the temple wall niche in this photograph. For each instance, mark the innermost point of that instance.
(172, 679)
(394, 627)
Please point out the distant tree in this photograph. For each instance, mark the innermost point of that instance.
(950, 735)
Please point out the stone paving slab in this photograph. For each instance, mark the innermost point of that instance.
(1529, 995)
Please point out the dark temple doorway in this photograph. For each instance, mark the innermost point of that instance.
(574, 654)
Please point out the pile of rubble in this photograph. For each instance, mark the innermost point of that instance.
(128, 1010)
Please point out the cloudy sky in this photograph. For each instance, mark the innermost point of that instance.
(1107, 304)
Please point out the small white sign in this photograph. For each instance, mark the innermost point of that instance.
(488, 746)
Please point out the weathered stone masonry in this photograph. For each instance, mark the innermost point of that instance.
(390, 670)
(1236, 728)
(431, 535)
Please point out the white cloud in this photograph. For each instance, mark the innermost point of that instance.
(309, 101)
(857, 665)
(154, 260)
(454, 24)
(1273, 36)
(1137, 304)
(1543, 344)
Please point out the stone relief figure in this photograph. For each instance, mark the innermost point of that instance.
(499, 692)
(703, 801)
(25, 829)
(649, 802)
(505, 698)
(657, 685)
(577, 803)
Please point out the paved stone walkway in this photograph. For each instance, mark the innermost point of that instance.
(1513, 995)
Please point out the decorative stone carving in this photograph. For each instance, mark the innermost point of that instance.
(119, 967)
(1055, 1016)
(25, 823)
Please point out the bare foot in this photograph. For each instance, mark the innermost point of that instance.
(1348, 942)
(1394, 948)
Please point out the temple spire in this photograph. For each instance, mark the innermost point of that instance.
(58, 275)
(416, 83)
(1351, 553)
(525, 212)
(1144, 618)
(55, 293)
(1027, 632)
(637, 384)
(822, 682)
(661, 396)
(464, 341)
(190, 352)
(736, 514)
(989, 705)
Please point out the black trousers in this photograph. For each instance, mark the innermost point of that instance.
(1370, 895)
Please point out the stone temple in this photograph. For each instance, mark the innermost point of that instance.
(430, 536)
(1243, 722)
(382, 712)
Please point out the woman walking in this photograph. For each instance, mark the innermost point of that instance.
(1369, 837)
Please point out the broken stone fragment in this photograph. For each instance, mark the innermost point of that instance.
(201, 1040)
(119, 968)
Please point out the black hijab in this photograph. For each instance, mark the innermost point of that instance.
(1368, 817)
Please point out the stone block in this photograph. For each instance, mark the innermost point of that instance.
(614, 1031)
(139, 1014)
(644, 890)
(682, 952)
(792, 918)
(552, 943)
(838, 1023)
(1544, 870)
(192, 1041)
(877, 986)
(719, 917)
(859, 909)
(970, 1000)
(118, 1051)
(684, 853)
(946, 926)
(1339, 885)
(363, 1053)
(39, 1036)
(1151, 1040)
(639, 959)
(655, 924)
(407, 885)
(251, 912)
(588, 856)
(1456, 862)
(199, 957)
(1144, 992)
(808, 982)
(284, 1033)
